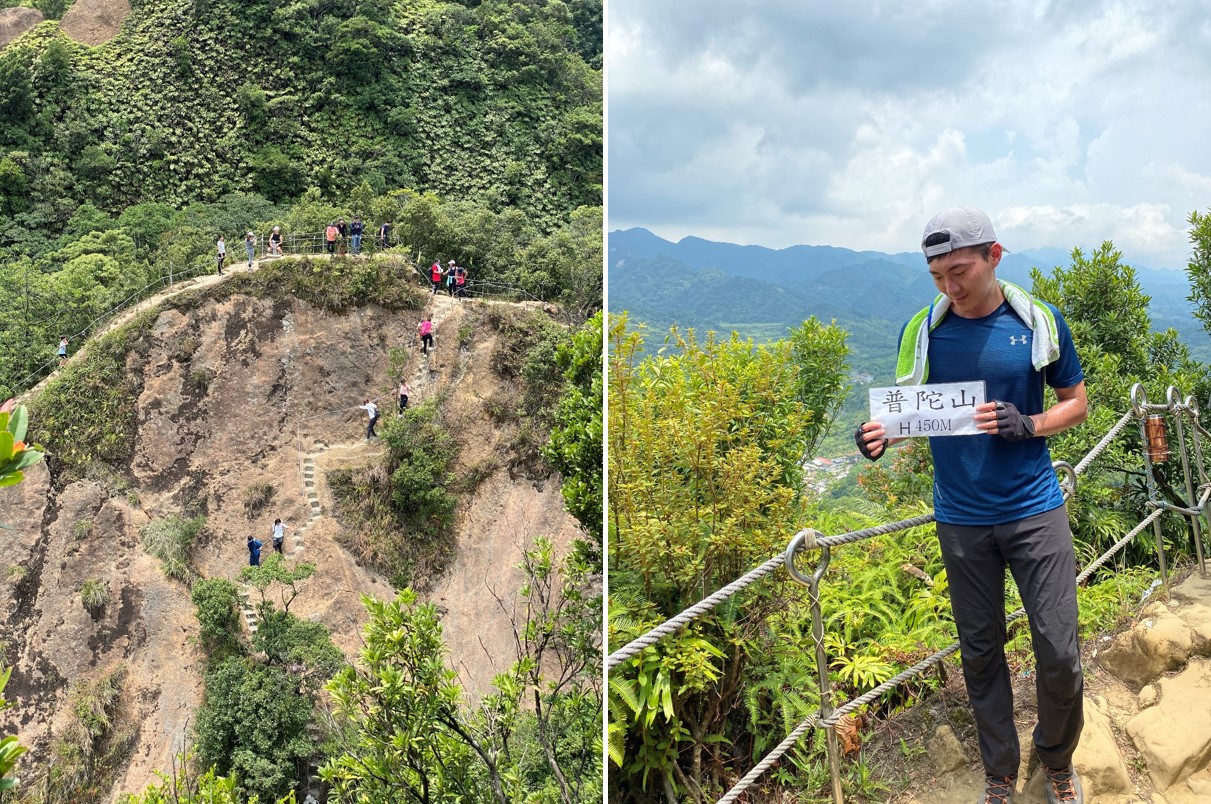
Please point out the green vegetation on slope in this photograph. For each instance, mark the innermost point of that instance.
(499, 103)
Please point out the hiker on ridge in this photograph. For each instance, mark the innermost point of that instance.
(279, 535)
(372, 410)
(330, 235)
(220, 247)
(435, 275)
(425, 328)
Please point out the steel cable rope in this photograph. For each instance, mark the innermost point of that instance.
(768, 761)
(119, 307)
(652, 636)
(698, 609)
(669, 626)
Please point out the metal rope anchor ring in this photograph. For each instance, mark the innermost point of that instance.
(1065, 469)
(1139, 400)
(806, 539)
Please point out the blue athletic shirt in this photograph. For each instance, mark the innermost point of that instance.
(984, 479)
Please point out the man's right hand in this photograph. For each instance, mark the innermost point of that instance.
(870, 440)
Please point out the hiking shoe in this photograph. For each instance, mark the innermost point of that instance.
(1063, 785)
(997, 790)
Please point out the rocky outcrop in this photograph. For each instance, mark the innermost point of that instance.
(1147, 734)
(15, 21)
(94, 22)
(236, 394)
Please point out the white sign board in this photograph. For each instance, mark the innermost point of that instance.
(944, 409)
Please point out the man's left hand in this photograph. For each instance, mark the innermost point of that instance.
(1009, 422)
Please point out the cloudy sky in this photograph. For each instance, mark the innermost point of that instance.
(789, 122)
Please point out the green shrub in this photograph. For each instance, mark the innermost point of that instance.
(288, 641)
(200, 379)
(171, 540)
(81, 528)
(253, 722)
(95, 742)
(95, 595)
(218, 610)
(17, 573)
(399, 517)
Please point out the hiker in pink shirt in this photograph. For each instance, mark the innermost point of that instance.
(426, 334)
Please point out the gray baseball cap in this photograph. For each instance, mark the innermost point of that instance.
(955, 228)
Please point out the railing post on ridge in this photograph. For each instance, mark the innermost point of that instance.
(1174, 399)
(807, 538)
(1139, 406)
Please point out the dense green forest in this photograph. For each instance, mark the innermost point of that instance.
(691, 714)
(494, 102)
(123, 162)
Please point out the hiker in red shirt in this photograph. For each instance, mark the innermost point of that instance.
(435, 275)
(330, 235)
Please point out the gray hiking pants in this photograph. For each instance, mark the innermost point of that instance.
(1038, 551)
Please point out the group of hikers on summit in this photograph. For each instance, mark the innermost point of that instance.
(453, 276)
(339, 237)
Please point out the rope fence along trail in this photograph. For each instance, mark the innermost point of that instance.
(1151, 419)
(293, 245)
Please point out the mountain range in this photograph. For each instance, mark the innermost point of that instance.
(759, 292)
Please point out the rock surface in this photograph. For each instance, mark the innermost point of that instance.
(234, 393)
(1147, 734)
(94, 22)
(15, 21)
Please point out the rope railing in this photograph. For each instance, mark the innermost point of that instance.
(808, 539)
(686, 617)
(293, 245)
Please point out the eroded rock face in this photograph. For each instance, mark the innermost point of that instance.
(94, 22)
(1103, 771)
(1174, 736)
(16, 21)
(235, 393)
(1160, 642)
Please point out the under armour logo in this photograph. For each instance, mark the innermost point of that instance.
(1013, 340)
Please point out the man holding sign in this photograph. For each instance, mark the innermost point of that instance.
(996, 498)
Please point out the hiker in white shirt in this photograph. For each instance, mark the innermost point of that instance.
(372, 410)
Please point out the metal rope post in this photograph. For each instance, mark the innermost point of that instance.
(1174, 398)
(1139, 408)
(810, 537)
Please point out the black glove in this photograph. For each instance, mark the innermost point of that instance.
(1012, 425)
(860, 440)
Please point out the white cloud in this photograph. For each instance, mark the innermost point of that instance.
(782, 122)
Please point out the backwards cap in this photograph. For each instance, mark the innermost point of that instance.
(956, 228)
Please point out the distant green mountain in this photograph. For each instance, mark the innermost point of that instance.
(761, 292)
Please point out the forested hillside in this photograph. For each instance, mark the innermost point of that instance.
(445, 569)
(494, 102)
(475, 131)
(762, 292)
